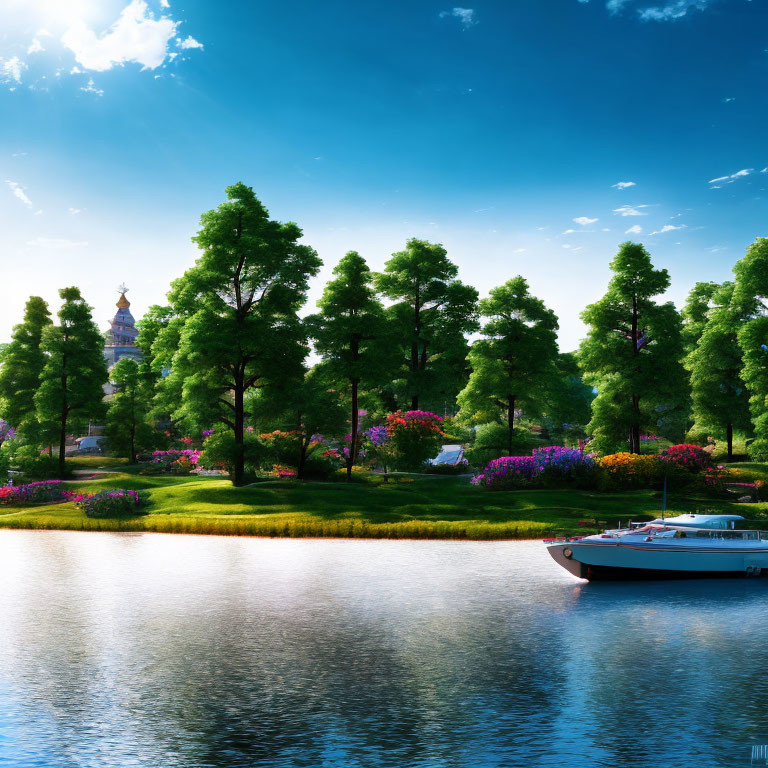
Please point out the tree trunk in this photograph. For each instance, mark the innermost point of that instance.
(510, 422)
(415, 403)
(63, 426)
(634, 430)
(239, 462)
(133, 443)
(353, 441)
(302, 458)
(729, 438)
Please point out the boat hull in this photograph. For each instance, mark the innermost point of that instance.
(602, 562)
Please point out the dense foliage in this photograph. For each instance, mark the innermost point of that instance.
(238, 377)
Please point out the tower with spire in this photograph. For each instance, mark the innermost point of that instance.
(121, 337)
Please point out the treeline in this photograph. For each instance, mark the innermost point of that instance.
(229, 352)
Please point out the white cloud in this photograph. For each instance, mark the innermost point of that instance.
(19, 192)
(720, 180)
(668, 228)
(465, 15)
(568, 232)
(165, 4)
(630, 210)
(672, 10)
(74, 211)
(91, 88)
(135, 37)
(565, 245)
(519, 250)
(35, 46)
(189, 42)
(56, 243)
(11, 69)
(667, 11)
(584, 220)
(605, 229)
(634, 230)
(764, 170)
(623, 184)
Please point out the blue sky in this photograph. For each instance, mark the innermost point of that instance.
(528, 136)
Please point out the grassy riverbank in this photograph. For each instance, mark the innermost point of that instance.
(421, 507)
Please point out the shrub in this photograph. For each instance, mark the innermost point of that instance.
(629, 470)
(447, 469)
(28, 460)
(557, 466)
(758, 449)
(687, 456)
(219, 451)
(507, 472)
(114, 503)
(173, 462)
(549, 467)
(415, 436)
(33, 493)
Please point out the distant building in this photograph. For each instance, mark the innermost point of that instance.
(121, 337)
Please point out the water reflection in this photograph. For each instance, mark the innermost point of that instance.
(164, 651)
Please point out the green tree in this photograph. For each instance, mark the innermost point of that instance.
(128, 409)
(73, 378)
(22, 366)
(514, 364)
(696, 313)
(308, 405)
(432, 312)
(751, 301)
(239, 307)
(350, 334)
(719, 395)
(632, 352)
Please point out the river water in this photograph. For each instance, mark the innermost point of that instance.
(161, 651)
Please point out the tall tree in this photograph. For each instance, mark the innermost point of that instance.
(350, 335)
(633, 350)
(239, 307)
(128, 409)
(433, 311)
(696, 313)
(718, 393)
(751, 301)
(73, 378)
(514, 364)
(23, 363)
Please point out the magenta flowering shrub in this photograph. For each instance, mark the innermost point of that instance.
(551, 466)
(41, 492)
(507, 472)
(687, 456)
(175, 462)
(113, 503)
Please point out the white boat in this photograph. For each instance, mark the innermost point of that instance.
(685, 546)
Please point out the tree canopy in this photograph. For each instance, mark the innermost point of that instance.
(514, 364)
(632, 352)
(239, 306)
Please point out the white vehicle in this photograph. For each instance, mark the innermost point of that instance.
(685, 546)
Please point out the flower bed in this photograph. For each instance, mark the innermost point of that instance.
(113, 503)
(43, 492)
(174, 462)
(552, 466)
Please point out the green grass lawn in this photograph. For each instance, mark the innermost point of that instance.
(407, 507)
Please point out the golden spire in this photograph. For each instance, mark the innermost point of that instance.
(122, 302)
